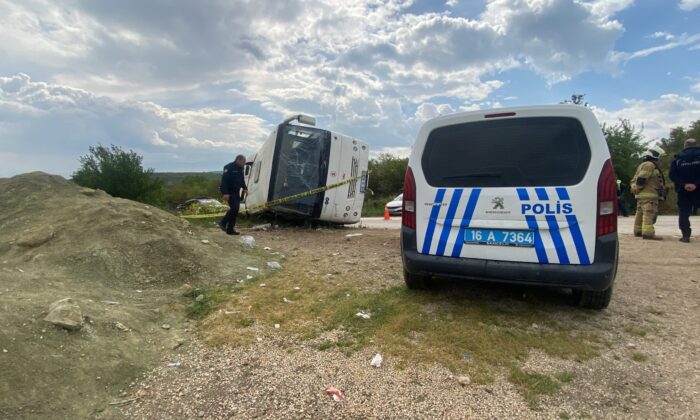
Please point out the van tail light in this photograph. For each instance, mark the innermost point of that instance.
(607, 200)
(408, 214)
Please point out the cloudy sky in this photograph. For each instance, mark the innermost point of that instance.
(189, 84)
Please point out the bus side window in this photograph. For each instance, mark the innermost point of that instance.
(246, 171)
(257, 171)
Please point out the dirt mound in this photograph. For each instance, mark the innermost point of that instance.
(121, 262)
(92, 234)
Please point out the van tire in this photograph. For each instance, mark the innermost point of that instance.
(416, 282)
(591, 299)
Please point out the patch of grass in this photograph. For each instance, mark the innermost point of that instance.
(565, 377)
(211, 299)
(434, 327)
(638, 356)
(533, 385)
(245, 322)
(635, 330)
(563, 415)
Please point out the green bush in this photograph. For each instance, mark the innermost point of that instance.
(120, 174)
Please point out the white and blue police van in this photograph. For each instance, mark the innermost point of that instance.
(519, 195)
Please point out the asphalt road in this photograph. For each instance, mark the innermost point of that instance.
(665, 225)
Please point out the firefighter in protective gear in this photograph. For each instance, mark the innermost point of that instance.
(648, 186)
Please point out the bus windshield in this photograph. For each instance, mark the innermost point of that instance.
(302, 155)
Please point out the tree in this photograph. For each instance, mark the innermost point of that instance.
(387, 174)
(625, 144)
(119, 173)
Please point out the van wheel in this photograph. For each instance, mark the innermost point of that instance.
(415, 281)
(592, 299)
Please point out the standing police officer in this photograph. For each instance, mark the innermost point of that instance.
(232, 182)
(685, 174)
(648, 186)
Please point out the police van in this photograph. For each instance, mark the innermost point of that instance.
(519, 195)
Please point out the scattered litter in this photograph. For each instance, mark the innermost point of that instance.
(4, 350)
(277, 326)
(297, 288)
(285, 300)
(335, 254)
(335, 393)
(262, 285)
(20, 270)
(205, 241)
(120, 403)
(138, 291)
(258, 339)
(248, 277)
(348, 262)
(467, 356)
(165, 326)
(347, 295)
(363, 315)
(199, 298)
(273, 265)
(110, 302)
(265, 226)
(376, 361)
(121, 326)
(247, 241)
(174, 365)
(352, 235)
(267, 248)
(252, 268)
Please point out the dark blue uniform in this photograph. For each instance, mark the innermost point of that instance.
(232, 182)
(685, 169)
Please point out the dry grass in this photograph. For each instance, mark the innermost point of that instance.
(469, 336)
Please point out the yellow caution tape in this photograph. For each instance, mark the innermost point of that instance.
(280, 200)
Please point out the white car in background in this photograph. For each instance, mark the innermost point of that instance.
(394, 206)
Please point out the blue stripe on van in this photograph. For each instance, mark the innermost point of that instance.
(563, 193)
(466, 220)
(433, 219)
(522, 194)
(539, 245)
(578, 239)
(541, 194)
(556, 237)
(447, 226)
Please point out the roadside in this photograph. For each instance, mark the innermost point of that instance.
(525, 351)
(665, 225)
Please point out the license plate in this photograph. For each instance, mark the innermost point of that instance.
(499, 237)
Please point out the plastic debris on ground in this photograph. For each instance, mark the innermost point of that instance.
(247, 241)
(263, 227)
(277, 326)
(334, 393)
(285, 300)
(363, 315)
(352, 235)
(248, 277)
(174, 365)
(267, 248)
(252, 268)
(376, 361)
(205, 241)
(273, 265)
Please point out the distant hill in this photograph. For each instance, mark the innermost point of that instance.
(177, 177)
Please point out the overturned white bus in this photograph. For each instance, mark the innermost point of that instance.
(297, 159)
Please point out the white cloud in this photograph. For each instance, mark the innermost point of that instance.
(676, 42)
(662, 34)
(656, 116)
(689, 5)
(696, 87)
(51, 125)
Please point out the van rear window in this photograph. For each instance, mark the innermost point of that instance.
(514, 152)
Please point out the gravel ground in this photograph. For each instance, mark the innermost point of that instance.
(648, 367)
